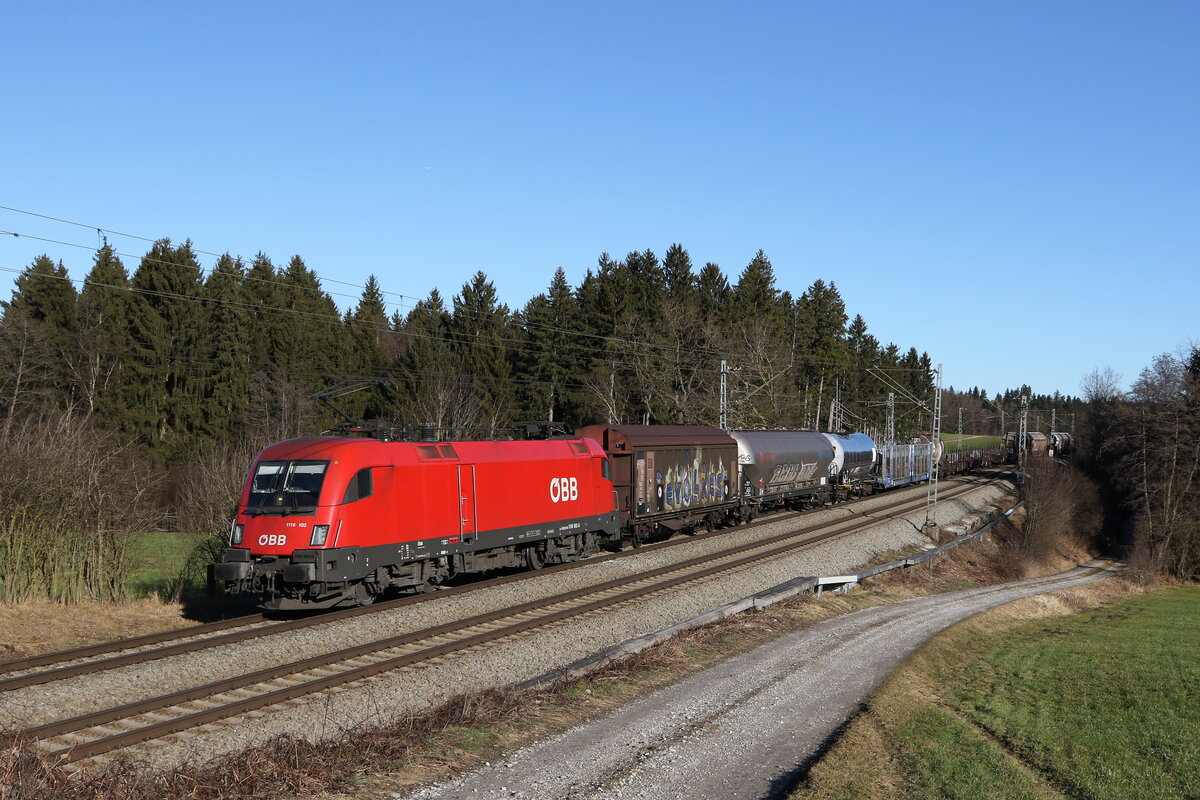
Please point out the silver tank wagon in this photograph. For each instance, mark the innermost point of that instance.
(854, 457)
(778, 467)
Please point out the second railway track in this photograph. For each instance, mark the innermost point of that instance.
(90, 735)
(40, 669)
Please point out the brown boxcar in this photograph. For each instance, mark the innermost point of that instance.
(1037, 444)
(669, 477)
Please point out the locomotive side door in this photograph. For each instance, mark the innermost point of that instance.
(466, 503)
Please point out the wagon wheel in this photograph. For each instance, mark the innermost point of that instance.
(710, 522)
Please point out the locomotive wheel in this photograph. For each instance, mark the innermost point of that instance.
(534, 559)
(363, 595)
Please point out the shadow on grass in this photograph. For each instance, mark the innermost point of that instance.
(198, 605)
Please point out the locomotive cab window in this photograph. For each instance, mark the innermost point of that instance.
(286, 487)
(360, 486)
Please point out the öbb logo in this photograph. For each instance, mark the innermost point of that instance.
(563, 490)
(273, 539)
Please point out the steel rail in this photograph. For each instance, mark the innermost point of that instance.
(205, 642)
(126, 644)
(192, 719)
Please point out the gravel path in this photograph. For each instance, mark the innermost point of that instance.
(523, 657)
(746, 727)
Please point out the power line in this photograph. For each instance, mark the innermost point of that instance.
(403, 297)
(319, 291)
(706, 350)
(451, 338)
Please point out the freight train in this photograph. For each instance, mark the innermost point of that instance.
(339, 520)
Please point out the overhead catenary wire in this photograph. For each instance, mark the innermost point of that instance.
(707, 350)
(449, 338)
(321, 292)
(399, 305)
(503, 341)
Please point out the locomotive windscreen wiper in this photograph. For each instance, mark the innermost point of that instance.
(286, 487)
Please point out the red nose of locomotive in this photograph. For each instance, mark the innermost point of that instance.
(280, 536)
(283, 509)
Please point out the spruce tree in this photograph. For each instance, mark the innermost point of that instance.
(264, 292)
(315, 342)
(37, 341)
(223, 351)
(165, 329)
(428, 384)
(760, 347)
(646, 286)
(101, 370)
(822, 339)
(550, 357)
(712, 289)
(677, 267)
(860, 387)
(369, 334)
(755, 294)
(482, 333)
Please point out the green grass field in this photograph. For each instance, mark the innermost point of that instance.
(1101, 704)
(157, 559)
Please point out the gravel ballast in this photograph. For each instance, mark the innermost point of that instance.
(744, 729)
(520, 658)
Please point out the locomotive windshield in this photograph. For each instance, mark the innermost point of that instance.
(286, 487)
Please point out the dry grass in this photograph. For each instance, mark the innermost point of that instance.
(40, 626)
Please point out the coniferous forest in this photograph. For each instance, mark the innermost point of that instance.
(135, 400)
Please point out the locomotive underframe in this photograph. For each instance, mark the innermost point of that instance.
(324, 578)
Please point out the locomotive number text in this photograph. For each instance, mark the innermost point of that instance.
(563, 490)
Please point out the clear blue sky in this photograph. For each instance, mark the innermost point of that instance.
(1010, 186)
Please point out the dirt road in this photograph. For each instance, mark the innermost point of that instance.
(747, 727)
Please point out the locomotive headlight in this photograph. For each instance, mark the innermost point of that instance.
(235, 534)
(319, 535)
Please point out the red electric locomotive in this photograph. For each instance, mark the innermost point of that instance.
(329, 521)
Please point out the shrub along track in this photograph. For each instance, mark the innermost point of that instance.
(108, 655)
(93, 734)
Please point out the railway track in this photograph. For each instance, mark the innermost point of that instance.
(110, 655)
(91, 735)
